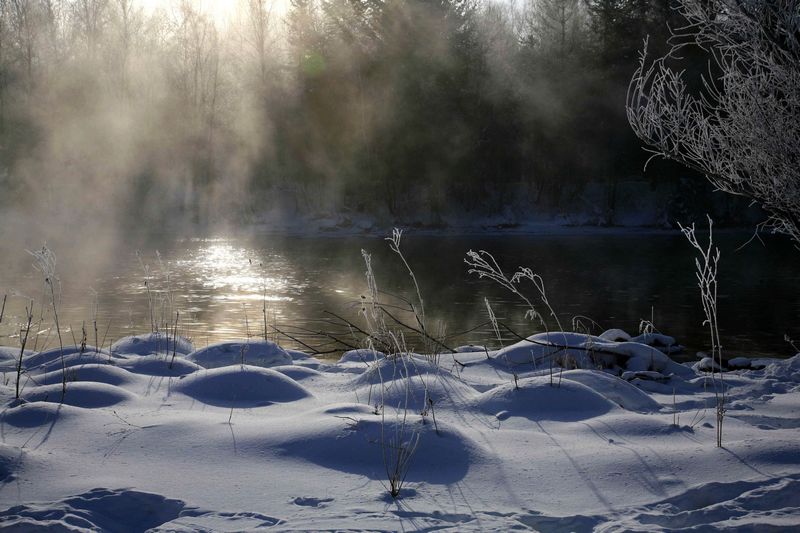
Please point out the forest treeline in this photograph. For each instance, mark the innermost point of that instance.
(386, 107)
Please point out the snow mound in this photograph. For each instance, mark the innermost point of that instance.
(361, 355)
(9, 356)
(255, 353)
(470, 348)
(739, 363)
(786, 370)
(338, 409)
(297, 373)
(657, 340)
(536, 399)
(50, 360)
(587, 351)
(191, 522)
(353, 445)
(615, 335)
(706, 364)
(91, 372)
(158, 365)
(96, 510)
(241, 386)
(544, 347)
(615, 389)
(397, 367)
(152, 343)
(297, 354)
(34, 414)
(412, 382)
(80, 394)
(10, 458)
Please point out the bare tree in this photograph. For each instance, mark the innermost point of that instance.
(5, 62)
(54, 29)
(259, 18)
(91, 17)
(741, 129)
(127, 21)
(23, 27)
(194, 71)
(195, 57)
(555, 25)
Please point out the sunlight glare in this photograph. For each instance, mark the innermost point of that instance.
(222, 266)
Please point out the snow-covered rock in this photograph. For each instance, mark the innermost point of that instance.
(615, 335)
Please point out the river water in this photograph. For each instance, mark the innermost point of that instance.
(221, 288)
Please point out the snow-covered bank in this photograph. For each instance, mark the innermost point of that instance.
(621, 205)
(217, 440)
(353, 224)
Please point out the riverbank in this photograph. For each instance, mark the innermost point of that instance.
(156, 434)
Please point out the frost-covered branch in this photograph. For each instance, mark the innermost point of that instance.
(741, 130)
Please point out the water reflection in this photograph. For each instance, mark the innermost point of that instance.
(224, 288)
(231, 272)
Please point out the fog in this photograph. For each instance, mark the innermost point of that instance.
(127, 123)
(124, 118)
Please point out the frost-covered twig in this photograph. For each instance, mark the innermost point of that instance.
(706, 272)
(394, 245)
(147, 279)
(45, 262)
(484, 265)
(23, 340)
(95, 307)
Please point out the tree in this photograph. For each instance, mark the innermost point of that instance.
(90, 20)
(5, 63)
(740, 128)
(127, 20)
(22, 22)
(555, 25)
(195, 83)
(258, 14)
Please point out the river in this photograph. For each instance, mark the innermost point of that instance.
(219, 287)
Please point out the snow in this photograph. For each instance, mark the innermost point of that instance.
(87, 372)
(361, 355)
(251, 352)
(79, 394)
(621, 438)
(152, 343)
(239, 386)
(587, 351)
(545, 398)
